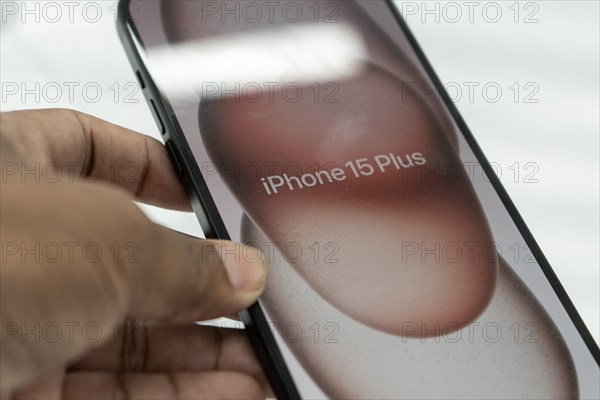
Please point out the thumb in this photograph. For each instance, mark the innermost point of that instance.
(78, 258)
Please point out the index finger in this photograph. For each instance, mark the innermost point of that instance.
(85, 146)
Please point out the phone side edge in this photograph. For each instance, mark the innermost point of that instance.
(501, 191)
(257, 327)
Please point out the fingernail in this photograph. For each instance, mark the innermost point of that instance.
(244, 264)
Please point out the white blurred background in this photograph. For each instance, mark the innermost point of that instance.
(525, 76)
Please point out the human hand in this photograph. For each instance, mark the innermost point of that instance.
(81, 261)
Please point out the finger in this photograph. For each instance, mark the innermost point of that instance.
(118, 263)
(47, 387)
(193, 386)
(183, 348)
(79, 145)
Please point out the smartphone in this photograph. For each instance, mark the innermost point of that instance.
(318, 132)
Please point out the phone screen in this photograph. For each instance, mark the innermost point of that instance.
(396, 268)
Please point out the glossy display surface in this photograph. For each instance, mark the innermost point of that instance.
(384, 251)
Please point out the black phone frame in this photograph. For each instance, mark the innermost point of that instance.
(258, 330)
